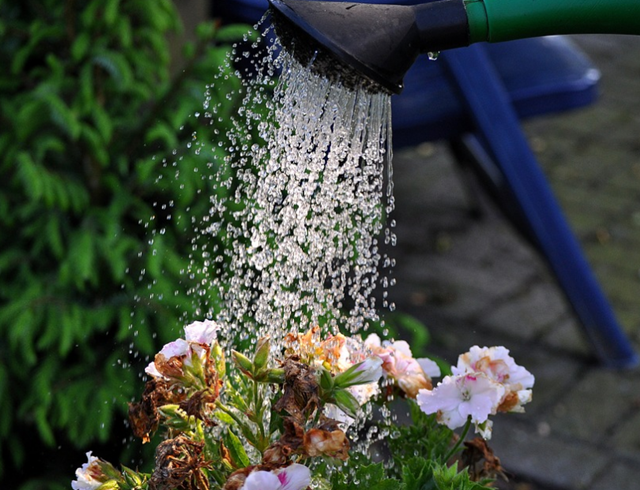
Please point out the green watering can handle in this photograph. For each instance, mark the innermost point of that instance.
(506, 20)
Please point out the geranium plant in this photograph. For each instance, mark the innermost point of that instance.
(314, 412)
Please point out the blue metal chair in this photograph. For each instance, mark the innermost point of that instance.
(475, 98)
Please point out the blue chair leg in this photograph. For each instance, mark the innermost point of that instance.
(499, 131)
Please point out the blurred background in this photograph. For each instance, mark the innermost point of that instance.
(101, 111)
(106, 148)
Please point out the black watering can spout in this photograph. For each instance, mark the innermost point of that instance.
(381, 42)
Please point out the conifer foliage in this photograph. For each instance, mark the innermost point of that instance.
(105, 162)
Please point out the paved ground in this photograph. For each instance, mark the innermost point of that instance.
(477, 282)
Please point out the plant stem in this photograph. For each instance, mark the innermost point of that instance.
(258, 415)
(455, 448)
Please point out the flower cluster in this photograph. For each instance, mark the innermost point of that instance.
(266, 420)
(485, 381)
(409, 374)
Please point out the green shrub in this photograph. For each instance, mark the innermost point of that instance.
(99, 194)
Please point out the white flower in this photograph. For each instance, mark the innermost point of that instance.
(201, 332)
(498, 365)
(457, 398)
(294, 477)
(86, 475)
(261, 480)
(197, 335)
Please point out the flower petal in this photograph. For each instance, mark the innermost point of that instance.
(262, 480)
(201, 332)
(176, 348)
(295, 477)
(430, 367)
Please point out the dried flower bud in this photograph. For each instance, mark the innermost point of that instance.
(179, 464)
(144, 415)
(300, 393)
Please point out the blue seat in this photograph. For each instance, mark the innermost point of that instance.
(474, 98)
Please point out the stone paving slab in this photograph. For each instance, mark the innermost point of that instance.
(620, 476)
(548, 460)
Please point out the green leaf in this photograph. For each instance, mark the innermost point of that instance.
(44, 428)
(61, 115)
(111, 12)
(103, 122)
(31, 175)
(29, 118)
(161, 131)
(236, 450)
(95, 144)
(80, 46)
(39, 31)
(417, 474)
(369, 476)
(82, 255)
(54, 236)
(117, 66)
(346, 402)
(224, 417)
(417, 330)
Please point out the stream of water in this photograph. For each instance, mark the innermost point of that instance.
(310, 202)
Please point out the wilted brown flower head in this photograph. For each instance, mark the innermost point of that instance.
(300, 392)
(144, 415)
(171, 368)
(291, 442)
(169, 389)
(332, 443)
(477, 451)
(237, 478)
(179, 465)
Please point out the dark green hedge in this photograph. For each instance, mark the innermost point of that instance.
(99, 192)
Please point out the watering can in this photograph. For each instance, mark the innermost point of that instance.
(381, 42)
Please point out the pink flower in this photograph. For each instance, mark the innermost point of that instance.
(456, 398)
(498, 365)
(294, 477)
(410, 374)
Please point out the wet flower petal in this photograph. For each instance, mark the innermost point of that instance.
(87, 474)
(398, 364)
(458, 397)
(262, 480)
(497, 364)
(430, 367)
(204, 332)
(295, 477)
